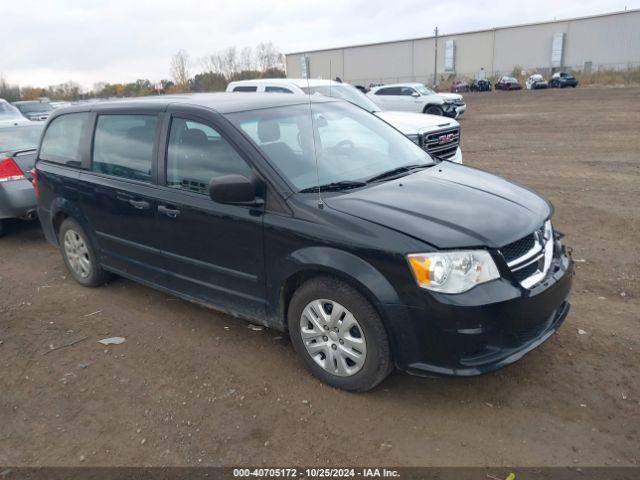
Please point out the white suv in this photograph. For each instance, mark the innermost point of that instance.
(440, 137)
(416, 97)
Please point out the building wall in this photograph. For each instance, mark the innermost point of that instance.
(607, 40)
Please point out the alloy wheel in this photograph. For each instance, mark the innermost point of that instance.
(333, 337)
(77, 253)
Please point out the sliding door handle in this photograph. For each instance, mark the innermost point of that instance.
(168, 211)
(140, 204)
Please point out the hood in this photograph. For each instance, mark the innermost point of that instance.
(449, 206)
(450, 96)
(411, 123)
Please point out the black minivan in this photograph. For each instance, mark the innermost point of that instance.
(308, 215)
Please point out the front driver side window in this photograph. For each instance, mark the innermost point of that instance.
(196, 154)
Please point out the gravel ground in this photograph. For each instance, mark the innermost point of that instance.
(194, 387)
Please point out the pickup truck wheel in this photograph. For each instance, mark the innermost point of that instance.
(434, 110)
(338, 335)
(79, 255)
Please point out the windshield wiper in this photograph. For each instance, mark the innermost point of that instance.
(397, 171)
(334, 186)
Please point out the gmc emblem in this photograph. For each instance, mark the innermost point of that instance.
(448, 138)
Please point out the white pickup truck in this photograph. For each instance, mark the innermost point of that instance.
(439, 136)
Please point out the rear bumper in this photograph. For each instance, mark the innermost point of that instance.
(17, 199)
(484, 329)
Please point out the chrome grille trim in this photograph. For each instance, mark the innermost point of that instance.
(517, 261)
(539, 252)
(430, 142)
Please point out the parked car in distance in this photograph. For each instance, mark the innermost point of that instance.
(535, 82)
(310, 215)
(460, 86)
(481, 85)
(562, 80)
(438, 136)
(17, 157)
(508, 83)
(34, 110)
(362, 88)
(416, 97)
(10, 115)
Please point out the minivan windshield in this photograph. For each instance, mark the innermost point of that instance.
(344, 146)
(344, 92)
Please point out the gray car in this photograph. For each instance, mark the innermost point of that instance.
(35, 110)
(17, 154)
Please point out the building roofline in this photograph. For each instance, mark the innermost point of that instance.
(401, 40)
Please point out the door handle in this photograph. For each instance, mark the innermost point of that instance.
(139, 204)
(168, 211)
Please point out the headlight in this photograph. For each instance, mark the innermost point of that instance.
(453, 272)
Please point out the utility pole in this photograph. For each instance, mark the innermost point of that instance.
(435, 63)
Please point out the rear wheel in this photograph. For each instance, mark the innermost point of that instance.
(79, 255)
(338, 335)
(434, 110)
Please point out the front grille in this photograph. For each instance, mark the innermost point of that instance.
(518, 248)
(526, 272)
(442, 144)
(529, 257)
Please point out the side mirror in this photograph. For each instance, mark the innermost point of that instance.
(415, 94)
(234, 190)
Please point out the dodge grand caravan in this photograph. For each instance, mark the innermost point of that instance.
(312, 216)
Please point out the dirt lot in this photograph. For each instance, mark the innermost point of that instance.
(191, 386)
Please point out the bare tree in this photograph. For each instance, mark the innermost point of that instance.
(246, 61)
(180, 68)
(229, 61)
(268, 57)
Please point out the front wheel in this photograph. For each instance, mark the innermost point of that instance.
(79, 255)
(434, 110)
(338, 335)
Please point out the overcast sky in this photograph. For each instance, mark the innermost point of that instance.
(49, 42)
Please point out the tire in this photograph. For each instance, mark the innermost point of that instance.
(434, 110)
(2, 227)
(79, 255)
(339, 346)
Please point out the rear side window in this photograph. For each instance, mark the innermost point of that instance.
(277, 90)
(123, 146)
(245, 89)
(388, 91)
(61, 142)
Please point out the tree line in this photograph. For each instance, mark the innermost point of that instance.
(214, 72)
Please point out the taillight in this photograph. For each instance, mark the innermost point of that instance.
(34, 180)
(9, 170)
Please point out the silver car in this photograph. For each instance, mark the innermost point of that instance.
(18, 145)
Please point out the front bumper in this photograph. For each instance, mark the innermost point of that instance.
(484, 329)
(17, 199)
(454, 111)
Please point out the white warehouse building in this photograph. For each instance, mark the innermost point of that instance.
(608, 41)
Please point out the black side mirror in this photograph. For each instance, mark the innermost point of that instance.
(234, 190)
